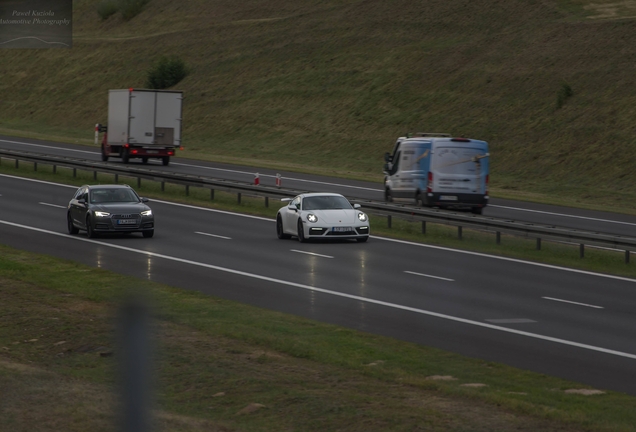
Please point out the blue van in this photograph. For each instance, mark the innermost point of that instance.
(437, 170)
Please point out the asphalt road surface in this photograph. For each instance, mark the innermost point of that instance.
(589, 220)
(561, 322)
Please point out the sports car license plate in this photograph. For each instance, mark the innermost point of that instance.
(126, 222)
(341, 229)
(448, 198)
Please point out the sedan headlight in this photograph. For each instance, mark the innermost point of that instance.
(102, 214)
(362, 217)
(146, 213)
(312, 217)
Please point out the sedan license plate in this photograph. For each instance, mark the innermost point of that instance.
(341, 229)
(126, 222)
(152, 151)
(448, 198)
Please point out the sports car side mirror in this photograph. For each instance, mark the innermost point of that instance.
(357, 206)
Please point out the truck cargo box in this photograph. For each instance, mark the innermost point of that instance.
(144, 117)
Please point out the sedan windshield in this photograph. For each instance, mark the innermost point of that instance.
(327, 202)
(113, 195)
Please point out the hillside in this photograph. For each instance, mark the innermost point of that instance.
(328, 85)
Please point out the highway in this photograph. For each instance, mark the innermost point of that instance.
(588, 220)
(562, 322)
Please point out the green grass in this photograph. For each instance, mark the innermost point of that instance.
(215, 357)
(327, 86)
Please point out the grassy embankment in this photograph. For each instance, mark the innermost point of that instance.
(326, 87)
(225, 366)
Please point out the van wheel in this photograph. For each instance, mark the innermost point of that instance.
(387, 195)
(419, 199)
(104, 155)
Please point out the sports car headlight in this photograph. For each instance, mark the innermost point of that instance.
(362, 217)
(146, 213)
(101, 214)
(312, 217)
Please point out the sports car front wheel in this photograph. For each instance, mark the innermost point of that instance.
(279, 228)
(301, 232)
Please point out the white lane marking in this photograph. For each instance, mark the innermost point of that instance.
(311, 253)
(213, 235)
(573, 302)
(212, 210)
(550, 266)
(329, 292)
(373, 237)
(49, 147)
(39, 181)
(204, 167)
(429, 276)
(273, 176)
(563, 215)
(511, 321)
(52, 205)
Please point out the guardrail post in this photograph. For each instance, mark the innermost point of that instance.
(238, 197)
(138, 182)
(423, 227)
(627, 253)
(75, 174)
(17, 163)
(582, 250)
(538, 243)
(498, 237)
(54, 169)
(163, 186)
(187, 190)
(35, 166)
(267, 202)
(459, 232)
(94, 175)
(116, 177)
(211, 194)
(388, 221)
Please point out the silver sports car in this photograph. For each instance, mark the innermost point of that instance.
(321, 216)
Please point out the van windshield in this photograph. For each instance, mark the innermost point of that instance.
(457, 160)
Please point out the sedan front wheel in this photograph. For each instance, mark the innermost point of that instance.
(90, 233)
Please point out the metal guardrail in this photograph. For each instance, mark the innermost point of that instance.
(390, 210)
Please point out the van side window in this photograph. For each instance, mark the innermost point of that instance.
(396, 164)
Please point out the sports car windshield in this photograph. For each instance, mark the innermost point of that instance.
(326, 203)
(99, 196)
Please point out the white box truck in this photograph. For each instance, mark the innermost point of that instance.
(142, 124)
(437, 170)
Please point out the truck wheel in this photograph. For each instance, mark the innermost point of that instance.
(125, 156)
(144, 160)
(104, 155)
(165, 160)
(476, 210)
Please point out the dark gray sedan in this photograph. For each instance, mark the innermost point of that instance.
(109, 209)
